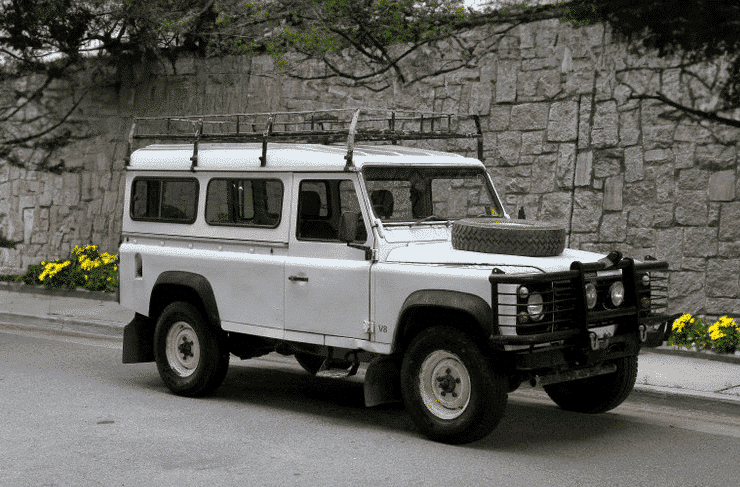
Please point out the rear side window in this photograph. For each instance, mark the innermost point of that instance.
(244, 202)
(164, 199)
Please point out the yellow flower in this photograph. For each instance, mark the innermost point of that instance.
(681, 321)
(716, 331)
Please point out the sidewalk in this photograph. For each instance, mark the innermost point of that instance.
(662, 372)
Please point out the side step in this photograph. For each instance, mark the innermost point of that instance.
(329, 369)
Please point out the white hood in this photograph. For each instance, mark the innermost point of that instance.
(443, 253)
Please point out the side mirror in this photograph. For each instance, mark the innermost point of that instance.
(348, 226)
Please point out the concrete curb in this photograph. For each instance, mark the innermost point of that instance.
(726, 358)
(66, 325)
(686, 399)
(19, 287)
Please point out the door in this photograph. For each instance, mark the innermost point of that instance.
(327, 282)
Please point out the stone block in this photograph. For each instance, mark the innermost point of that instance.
(584, 168)
(508, 148)
(657, 136)
(715, 156)
(659, 156)
(580, 79)
(723, 278)
(28, 201)
(613, 193)
(543, 173)
(729, 249)
(655, 215)
(669, 245)
(693, 179)
(685, 283)
(584, 122)
(532, 142)
(556, 208)
(722, 186)
(629, 127)
(692, 132)
(587, 209)
(700, 242)
(729, 222)
(506, 81)
(529, 116)
(605, 130)
(641, 237)
(29, 220)
(481, 95)
(526, 33)
(694, 264)
(608, 162)
(663, 176)
(633, 164)
(694, 304)
(565, 167)
(722, 306)
(500, 116)
(562, 124)
(692, 208)
(613, 227)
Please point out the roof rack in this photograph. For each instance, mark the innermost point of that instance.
(317, 126)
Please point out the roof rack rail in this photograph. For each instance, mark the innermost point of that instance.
(316, 126)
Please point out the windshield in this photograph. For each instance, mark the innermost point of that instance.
(427, 194)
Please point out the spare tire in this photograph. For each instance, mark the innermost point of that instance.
(512, 237)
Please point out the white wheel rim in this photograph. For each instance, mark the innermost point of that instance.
(444, 383)
(182, 349)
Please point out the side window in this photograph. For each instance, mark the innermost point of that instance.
(161, 199)
(315, 212)
(320, 206)
(349, 202)
(244, 202)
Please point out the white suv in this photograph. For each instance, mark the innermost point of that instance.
(401, 258)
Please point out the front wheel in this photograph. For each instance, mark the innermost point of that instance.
(596, 394)
(449, 388)
(192, 357)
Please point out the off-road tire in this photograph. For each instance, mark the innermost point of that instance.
(512, 237)
(596, 394)
(440, 362)
(192, 356)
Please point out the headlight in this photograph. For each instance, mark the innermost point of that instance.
(616, 293)
(645, 279)
(535, 307)
(591, 295)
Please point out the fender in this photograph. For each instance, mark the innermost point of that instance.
(138, 336)
(473, 305)
(195, 283)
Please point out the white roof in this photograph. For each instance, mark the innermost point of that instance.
(286, 157)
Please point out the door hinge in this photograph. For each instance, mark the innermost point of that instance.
(368, 326)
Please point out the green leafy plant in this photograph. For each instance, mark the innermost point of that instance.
(723, 336)
(86, 267)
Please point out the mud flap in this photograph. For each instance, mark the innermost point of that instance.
(660, 331)
(382, 382)
(138, 340)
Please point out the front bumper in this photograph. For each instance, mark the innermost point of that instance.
(570, 334)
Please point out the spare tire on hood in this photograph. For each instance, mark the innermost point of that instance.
(508, 236)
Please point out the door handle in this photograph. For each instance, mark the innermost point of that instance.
(298, 278)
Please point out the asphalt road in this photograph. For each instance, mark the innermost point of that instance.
(72, 414)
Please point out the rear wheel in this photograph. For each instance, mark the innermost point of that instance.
(192, 357)
(596, 394)
(449, 388)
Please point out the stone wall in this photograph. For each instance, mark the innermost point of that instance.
(563, 140)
